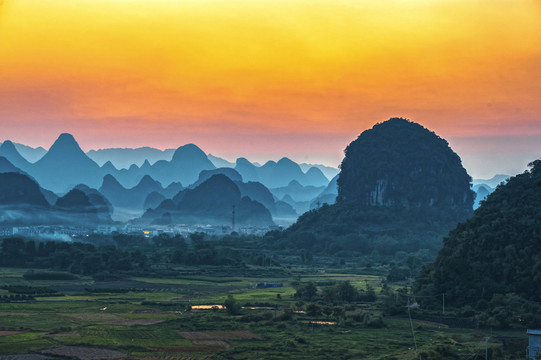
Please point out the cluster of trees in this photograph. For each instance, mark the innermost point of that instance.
(313, 310)
(492, 262)
(331, 230)
(335, 293)
(78, 258)
(102, 254)
(30, 290)
(15, 297)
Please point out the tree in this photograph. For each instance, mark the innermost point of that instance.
(346, 291)
(306, 291)
(198, 240)
(338, 312)
(231, 305)
(313, 310)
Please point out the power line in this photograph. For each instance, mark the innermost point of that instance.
(413, 332)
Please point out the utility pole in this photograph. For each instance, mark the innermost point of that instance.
(443, 302)
(233, 220)
(486, 348)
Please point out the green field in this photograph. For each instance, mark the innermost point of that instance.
(149, 320)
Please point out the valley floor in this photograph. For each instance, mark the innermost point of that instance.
(183, 318)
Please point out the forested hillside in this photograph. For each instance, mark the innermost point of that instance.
(493, 261)
(401, 188)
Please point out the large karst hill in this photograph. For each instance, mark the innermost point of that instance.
(401, 188)
(400, 163)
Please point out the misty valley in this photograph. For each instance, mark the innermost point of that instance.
(178, 254)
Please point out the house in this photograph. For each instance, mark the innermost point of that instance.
(534, 343)
(6, 231)
(264, 285)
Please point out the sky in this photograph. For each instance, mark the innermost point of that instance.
(270, 78)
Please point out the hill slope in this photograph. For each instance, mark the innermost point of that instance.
(400, 163)
(496, 252)
(64, 166)
(211, 202)
(401, 188)
(10, 152)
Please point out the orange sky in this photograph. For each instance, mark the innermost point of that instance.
(271, 78)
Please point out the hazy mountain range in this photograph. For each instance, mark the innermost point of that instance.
(69, 165)
(22, 202)
(123, 158)
(213, 202)
(134, 180)
(127, 193)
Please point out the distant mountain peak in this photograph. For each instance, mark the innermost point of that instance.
(83, 187)
(110, 180)
(286, 161)
(314, 170)
(243, 161)
(66, 165)
(108, 166)
(270, 163)
(147, 180)
(65, 143)
(294, 183)
(8, 146)
(188, 151)
(10, 152)
(66, 138)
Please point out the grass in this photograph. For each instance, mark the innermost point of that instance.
(119, 336)
(115, 320)
(25, 343)
(197, 280)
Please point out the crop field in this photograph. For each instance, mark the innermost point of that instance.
(183, 318)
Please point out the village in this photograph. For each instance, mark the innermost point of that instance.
(63, 232)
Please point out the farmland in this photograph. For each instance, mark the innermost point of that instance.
(182, 317)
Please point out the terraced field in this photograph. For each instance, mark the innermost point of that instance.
(176, 318)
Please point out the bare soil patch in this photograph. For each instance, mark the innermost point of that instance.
(11, 332)
(188, 349)
(100, 318)
(218, 335)
(84, 353)
(179, 356)
(25, 357)
(131, 322)
(210, 341)
(63, 334)
(431, 323)
(423, 322)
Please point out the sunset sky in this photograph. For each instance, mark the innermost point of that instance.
(270, 78)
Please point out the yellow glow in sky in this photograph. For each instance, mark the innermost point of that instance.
(166, 72)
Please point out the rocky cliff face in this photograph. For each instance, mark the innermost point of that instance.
(400, 163)
(401, 188)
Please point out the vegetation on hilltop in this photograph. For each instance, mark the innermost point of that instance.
(401, 188)
(401, 163)
(492, 262)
